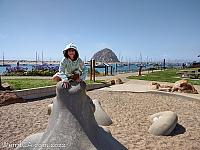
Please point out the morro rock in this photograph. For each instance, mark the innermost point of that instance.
(105, 55)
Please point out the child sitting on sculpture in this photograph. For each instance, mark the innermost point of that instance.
(71, 67)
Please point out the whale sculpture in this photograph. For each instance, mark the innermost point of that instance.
(100, 115)
(71, 125)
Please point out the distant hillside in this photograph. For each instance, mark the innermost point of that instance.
(105, 55)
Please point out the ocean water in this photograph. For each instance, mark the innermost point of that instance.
(27, 67)
(120, 68)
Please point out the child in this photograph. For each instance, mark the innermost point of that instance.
(71, 67)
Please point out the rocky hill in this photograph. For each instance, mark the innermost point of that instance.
(105, 55)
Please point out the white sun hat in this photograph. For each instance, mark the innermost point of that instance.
(71, 45)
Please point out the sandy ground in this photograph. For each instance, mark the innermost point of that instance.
(129, 112)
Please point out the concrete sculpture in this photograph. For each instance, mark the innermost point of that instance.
(100, 115)
(50, 108)
(72, 125)
(163, 123)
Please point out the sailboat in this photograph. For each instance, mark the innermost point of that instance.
(3, 64)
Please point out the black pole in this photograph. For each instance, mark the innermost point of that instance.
(164, 64)
(93, 70)
(140, 70)
(90, 70)
(111, 70)
(116, 67)
(105, 70)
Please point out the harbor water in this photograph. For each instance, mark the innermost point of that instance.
(116, 68)
(120, 68)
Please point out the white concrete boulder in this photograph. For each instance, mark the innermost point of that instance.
(72, 125)
(163, 123)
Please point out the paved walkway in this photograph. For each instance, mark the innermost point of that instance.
(132, 85)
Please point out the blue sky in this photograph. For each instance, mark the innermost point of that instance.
(155, 28)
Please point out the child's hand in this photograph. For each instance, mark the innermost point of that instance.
(66, 84)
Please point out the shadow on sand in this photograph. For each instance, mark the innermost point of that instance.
(179, 129)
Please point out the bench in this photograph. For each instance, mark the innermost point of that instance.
(193, 74)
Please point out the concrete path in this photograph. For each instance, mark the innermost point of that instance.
(132, 85)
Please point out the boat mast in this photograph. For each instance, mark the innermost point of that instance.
(42, 57)
(140, 59)
(36, 58)
(3, 58)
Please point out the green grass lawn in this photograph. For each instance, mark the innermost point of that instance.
(97, 81)
(19, 84)
(24, 83)
(164, 76)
